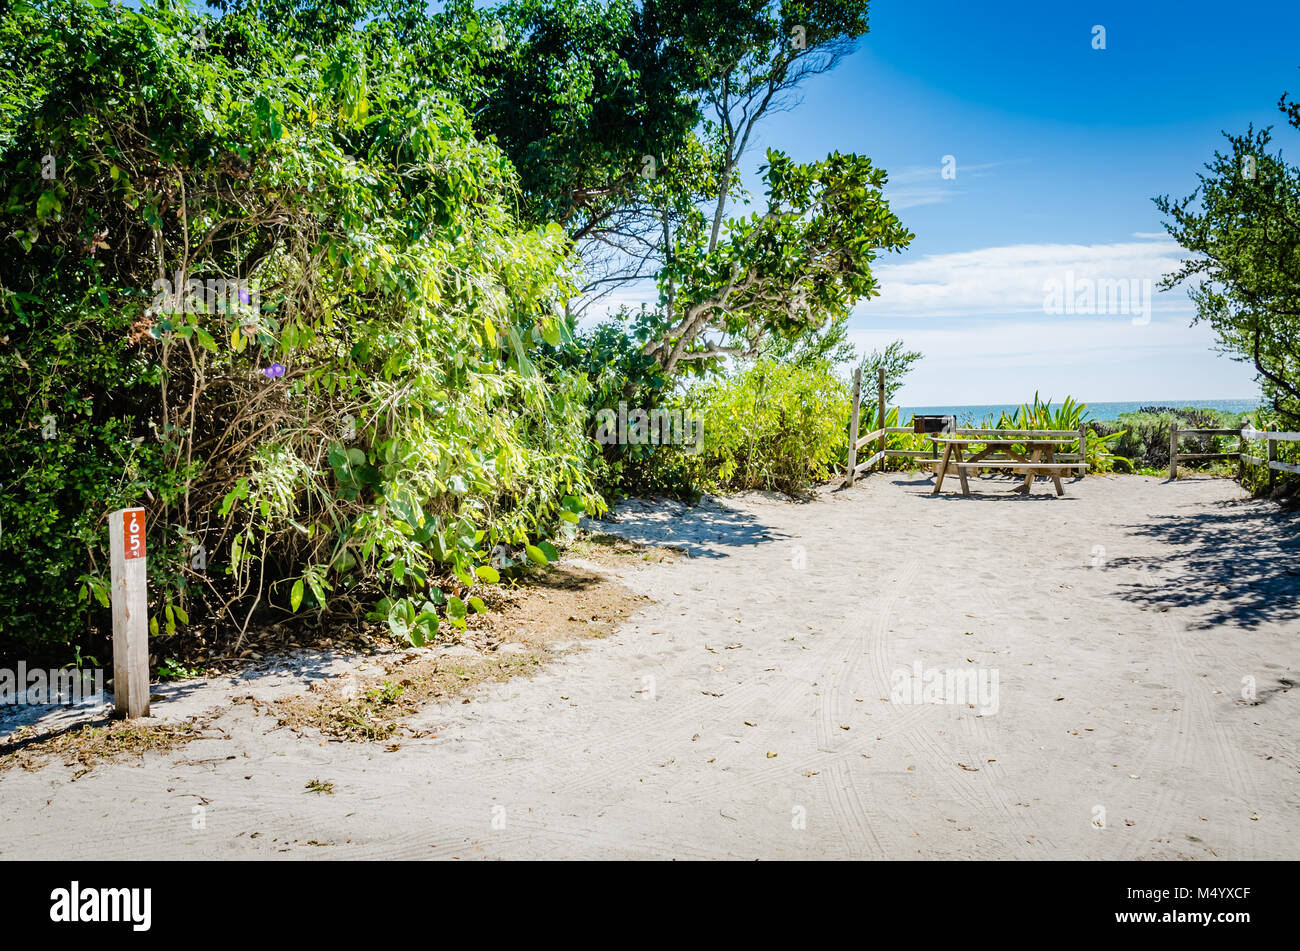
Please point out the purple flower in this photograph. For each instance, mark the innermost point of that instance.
(274, 371)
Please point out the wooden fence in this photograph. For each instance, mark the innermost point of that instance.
(1244, 436)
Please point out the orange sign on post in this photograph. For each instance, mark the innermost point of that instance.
(132, 533)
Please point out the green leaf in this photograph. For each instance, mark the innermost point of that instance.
(488, 574)
(549, 550)
(47, 204)
(535, 554)
(462, 574)
(295, 596)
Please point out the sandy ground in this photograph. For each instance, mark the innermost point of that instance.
(754, 709)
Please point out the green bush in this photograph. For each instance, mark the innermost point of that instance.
(1143, 437)
(387, 415)
(770, 426)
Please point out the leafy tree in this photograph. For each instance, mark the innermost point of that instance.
(372, 424)
(748, 58)
(895, 361)
(785, 271)
(1242, 224)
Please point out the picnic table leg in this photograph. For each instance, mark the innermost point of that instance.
(1035, 456)
(941, 469)
(961, 473)
(1056, 473)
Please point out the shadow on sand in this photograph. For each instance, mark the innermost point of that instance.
(704, 531)
(1238, 563)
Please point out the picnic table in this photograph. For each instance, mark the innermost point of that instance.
(1038, 457)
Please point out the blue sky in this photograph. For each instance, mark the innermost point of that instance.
(1058, 149)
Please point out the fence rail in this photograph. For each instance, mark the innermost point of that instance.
(1244, 435)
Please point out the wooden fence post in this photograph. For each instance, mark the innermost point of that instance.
(1083, 444)
(1272, 458)
(1173, 450)
(853, 425)
(880, 400)
(1241, 449)
(130, 601)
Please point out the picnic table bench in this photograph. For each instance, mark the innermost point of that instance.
(1002, 451)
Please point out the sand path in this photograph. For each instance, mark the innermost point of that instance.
(748, 712)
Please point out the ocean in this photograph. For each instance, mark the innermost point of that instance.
(977, 412)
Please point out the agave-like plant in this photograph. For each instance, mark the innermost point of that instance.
(1070, 415)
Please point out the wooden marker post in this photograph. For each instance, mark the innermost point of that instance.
(880, 403)
(1241, 449)
(1173, 451)
(130, 613)
(853, 425)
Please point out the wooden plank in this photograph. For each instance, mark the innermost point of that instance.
(961, 471)
(863, 441)
(130, 599)
(1284, 467)
(942, 468)
(1035, 457)
(902, 453)
(1204, 456)
(1004, 440)
(1253, 460)
(1055, 473)
(866, 464)
(853, 426)
(1265, 434)
(1011, 464)
(1210, 432)
(1050, 433)
(880, 402)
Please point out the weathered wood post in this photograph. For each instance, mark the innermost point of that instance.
(1173, 450)
(880, 402)
(1083, 446)
(130, 613)
(1272, 458)
(1241, 448)
(853, 424)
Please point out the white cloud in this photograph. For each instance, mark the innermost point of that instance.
(1090, 358)
(914, 185)
(1013, 279)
